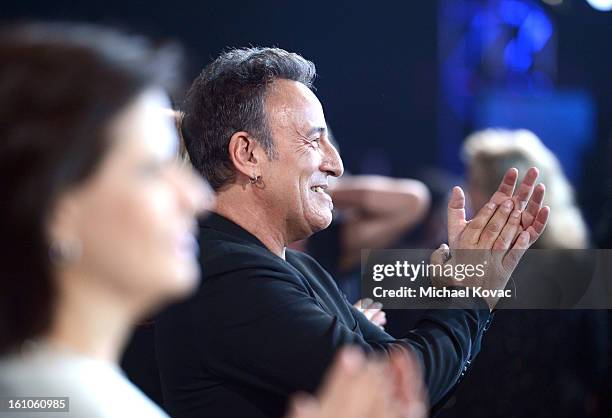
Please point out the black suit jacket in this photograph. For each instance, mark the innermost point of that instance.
(261, 328)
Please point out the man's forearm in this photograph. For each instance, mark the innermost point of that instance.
(446, 342)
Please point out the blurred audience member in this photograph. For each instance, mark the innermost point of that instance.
(355, 387)
(139, 361)
(98, 218)
(491, 152)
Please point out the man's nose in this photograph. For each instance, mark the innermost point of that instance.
(332, 163)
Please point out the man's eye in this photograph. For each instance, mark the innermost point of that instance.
(315, 142)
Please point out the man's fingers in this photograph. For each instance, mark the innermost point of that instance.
(496, 224)
(368, 314)
(456, 214)
(363, 304)
(471, 233)
(369, 308)
(441, 255)
(533, 207)
(371, 313)
(514, 255)
(379, 318)
(539, 224)
(508, 233)
(525, 188)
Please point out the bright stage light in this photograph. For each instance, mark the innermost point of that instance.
(601, 5)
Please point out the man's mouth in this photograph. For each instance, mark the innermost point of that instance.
(318, 189)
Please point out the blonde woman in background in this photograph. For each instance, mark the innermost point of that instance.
(489, 153)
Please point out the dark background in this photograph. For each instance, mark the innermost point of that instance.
(378, 64)
(376, 61)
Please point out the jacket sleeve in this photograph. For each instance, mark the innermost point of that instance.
(445, 342)
(264, 327)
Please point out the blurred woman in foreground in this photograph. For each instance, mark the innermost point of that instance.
(97, 218)
(97, 215)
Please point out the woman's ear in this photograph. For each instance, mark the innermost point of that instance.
(63, 219)
(246, 154)
(65, 245)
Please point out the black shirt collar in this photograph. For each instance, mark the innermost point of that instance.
(220, 223)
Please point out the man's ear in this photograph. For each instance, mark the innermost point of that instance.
(246, 154)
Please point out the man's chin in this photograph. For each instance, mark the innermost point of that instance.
(312, 225)
(321, 224)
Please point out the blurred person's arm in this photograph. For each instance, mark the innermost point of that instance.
(378, 210)
(356, 387)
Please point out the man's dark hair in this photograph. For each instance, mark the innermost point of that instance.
(61, 87)
(228, 97)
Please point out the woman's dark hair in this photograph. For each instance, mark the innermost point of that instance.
(228, 97)
(60, 87)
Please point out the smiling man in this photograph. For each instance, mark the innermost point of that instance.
(267, 321)
(289, 181)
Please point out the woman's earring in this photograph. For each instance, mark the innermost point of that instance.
(255, 179)
(62, 252)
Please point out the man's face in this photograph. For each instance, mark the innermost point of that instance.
(296, 181)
